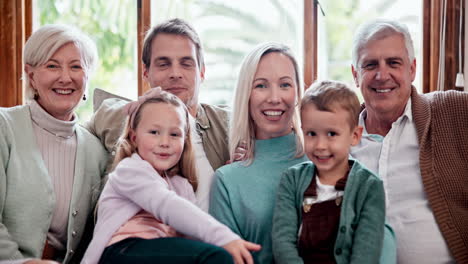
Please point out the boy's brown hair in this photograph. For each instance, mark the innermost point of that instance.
(328, 95)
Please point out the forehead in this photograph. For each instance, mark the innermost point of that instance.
(69, 50)
(392, 46)
(172, 46)
(311, 116)
(275, 64)
(162, 112)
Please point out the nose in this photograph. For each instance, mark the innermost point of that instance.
(321, 143)
(65, 76)
(274, 95)
(176, 72)
(164, 141)
(382, 73)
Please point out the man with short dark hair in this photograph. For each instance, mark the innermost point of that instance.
(172, 58)
(416, 143)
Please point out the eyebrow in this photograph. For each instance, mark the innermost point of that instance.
(73, 61)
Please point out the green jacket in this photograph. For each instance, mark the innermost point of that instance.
(108, 122)
(361, 229)
(26, 196)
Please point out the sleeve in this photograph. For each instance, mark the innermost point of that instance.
(369, 233)
(286, 222)
(144, 187)
(8, 247)
(220, 204)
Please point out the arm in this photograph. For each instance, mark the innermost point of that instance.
(369, 233)
(286, 222)
(141, 184)
(220, 204)
(9, 249)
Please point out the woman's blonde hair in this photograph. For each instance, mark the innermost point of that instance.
(241, 125)
(125, 147)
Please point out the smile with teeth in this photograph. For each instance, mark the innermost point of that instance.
(63, 91)
(382, 90)
(323, 157)
(273, 113)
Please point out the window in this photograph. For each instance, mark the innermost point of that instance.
(336, 29)
(228, 30)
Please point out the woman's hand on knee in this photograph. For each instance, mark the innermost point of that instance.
(239, 249)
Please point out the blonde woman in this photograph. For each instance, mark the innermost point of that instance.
(266, 117)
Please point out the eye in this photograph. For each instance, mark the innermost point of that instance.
(260, 85)
(188, 63)
(311, 134)
(154, 132)
(76, 67)
(332, 134)
(52, 66)
(369, 66)
(176, 134)
(394, 63)
(285, 85)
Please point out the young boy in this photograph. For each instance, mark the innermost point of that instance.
(330, 210)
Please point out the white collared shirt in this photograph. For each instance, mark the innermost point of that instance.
(395, 158)
(204, 170)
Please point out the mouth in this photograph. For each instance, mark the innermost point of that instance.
(273, 115)
(63, 91)
(380, 90)
(176, 89)
(163, 155)
(323, 158)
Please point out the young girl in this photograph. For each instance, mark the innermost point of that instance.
(147, 206)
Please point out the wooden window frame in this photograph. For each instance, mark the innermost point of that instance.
(16, 25)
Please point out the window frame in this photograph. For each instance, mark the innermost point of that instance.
(16, 24)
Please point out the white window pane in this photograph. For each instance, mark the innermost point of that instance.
(229, 30)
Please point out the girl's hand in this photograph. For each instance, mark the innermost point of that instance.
(40, 261)
(239, 249)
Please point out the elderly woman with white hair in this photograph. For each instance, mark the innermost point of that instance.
(50, 167)
(265, 117)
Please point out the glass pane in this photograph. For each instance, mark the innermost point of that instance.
(112, 25)
(229, 30)
(342, 18)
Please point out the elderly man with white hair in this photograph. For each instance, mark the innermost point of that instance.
(416, 143)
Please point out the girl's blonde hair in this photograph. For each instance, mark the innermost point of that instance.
(241, 125)
(125, 147)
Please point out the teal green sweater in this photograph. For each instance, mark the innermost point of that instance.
(242, 197)
(361, 228)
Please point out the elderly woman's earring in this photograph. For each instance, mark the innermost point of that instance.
(84, 97)
(36, 95)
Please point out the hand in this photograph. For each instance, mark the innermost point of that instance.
(40, 261)
(240, 153)
(239, 249)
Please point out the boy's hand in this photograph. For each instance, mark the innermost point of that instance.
(239, 249)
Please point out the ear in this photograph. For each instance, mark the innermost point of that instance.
(145, 72)
(355, 77)
(132, 136)
(30, 74)
(202, 73)
(357, 134)
(413, 70)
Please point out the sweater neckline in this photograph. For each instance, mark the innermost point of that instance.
(50, 124)
(283, 147)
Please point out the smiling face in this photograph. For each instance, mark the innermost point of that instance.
(174, 67)
(159, 136)
(273, 96)
(327, 140)
(384, 75)
(60, 82)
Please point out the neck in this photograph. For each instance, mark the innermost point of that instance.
(381, 123)
(331, 177)
(193, 109)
